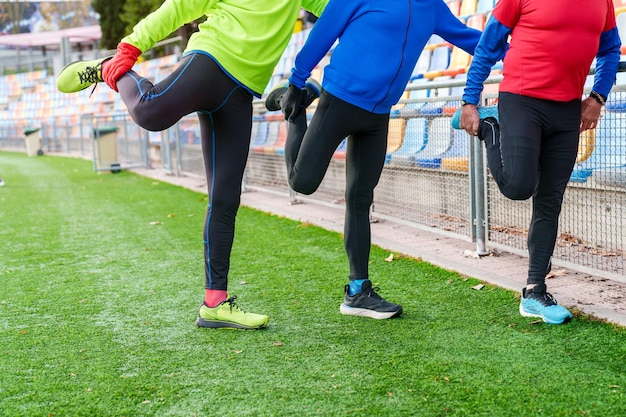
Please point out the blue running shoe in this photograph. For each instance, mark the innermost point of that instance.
(537, 303)
(483, 113)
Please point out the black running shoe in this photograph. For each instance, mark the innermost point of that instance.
(312, 88)
(368, 303)
(489, 130)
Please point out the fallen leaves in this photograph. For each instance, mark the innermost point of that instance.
(556, 273)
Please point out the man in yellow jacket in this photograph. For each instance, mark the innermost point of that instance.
(226, 63)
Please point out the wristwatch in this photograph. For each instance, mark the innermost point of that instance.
(598, 97)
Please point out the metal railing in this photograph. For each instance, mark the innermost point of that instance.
(434, 178)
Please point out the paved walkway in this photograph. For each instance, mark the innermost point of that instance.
(593, 295)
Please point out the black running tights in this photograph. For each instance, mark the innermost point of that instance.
(533, 156)
(308, 153)
(224, 109)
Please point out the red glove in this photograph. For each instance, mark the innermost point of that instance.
(120, 64)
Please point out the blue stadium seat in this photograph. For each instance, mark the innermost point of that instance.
(438, 142)
(414, 141)
(610, 148)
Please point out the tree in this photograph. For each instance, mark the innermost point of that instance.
(113, 28)
(135, 10)
(118, 17)
(13, 14)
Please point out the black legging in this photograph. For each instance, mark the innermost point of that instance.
(308, 153)
(225, 111)
(533, 155)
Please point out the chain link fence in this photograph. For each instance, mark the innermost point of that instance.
(435, 177)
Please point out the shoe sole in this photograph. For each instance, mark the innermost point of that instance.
(273, 98)
(524, 313)
(215, 324)
(364, 312)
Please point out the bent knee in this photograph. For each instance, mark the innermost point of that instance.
(303, 187)
(513, 192)
(150, 120)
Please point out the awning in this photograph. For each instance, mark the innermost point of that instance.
(75, 35)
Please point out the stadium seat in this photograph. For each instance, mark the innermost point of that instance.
(459, 145)
(468, 8)
(455, 7)
(278, 130)
(485, 6)
(459, 62)
(435, 108)
(451, 106)
(340, 152)
(395, 137)
(438, 142)
(607, 145)
(414, 141)
(620, 20)
(413, 109)
(260, 134)
(457, 163)
(439, 61)
(422, 64)
(477, 21)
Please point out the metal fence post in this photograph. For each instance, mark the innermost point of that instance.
(479, 196)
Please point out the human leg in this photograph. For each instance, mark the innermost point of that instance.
(557, 160)
(225, 135)
(224, 108)
(309, 150)
(308, 153)
(197, 83)
(365, 158)
(513, 145)
(558, 155)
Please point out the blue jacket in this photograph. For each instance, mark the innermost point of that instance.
(379, 42)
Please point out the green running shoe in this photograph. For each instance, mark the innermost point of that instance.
(79, 75)
(227, 314)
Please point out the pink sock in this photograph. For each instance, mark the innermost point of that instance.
(213, 297)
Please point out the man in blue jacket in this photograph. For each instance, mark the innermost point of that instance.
(379, 44)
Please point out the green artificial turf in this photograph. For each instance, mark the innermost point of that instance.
(101, 277)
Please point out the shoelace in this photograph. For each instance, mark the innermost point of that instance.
(546, 300)
(90, 75)
(233, 305)
(374, 294)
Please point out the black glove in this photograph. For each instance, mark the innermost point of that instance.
(292, 102)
